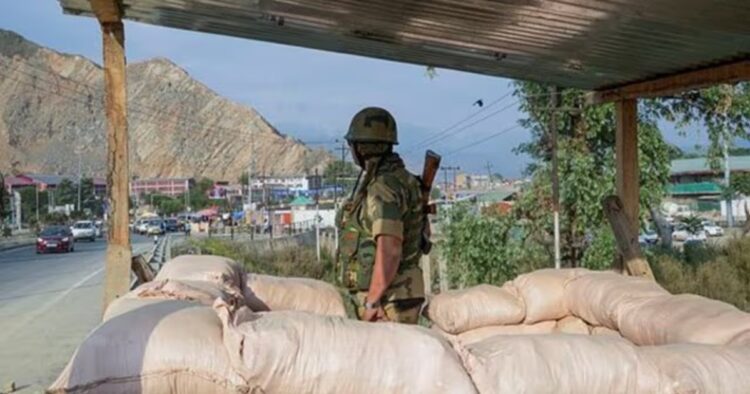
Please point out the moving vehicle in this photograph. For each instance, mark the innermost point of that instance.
(712, 229)
(154, 227)
(55, 239)
(84, 229)
(141, 225)
(171, 225)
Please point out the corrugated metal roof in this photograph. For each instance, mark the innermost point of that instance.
(700, 165)
(589, 44)
(692, 189)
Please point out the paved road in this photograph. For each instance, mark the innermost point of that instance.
(48, 303)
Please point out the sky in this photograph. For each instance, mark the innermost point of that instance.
(311, 94)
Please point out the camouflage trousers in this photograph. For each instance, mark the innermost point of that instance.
(402, 301)
(398, 311)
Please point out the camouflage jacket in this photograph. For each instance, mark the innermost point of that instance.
(391, 205)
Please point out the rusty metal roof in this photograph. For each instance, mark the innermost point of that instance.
(588, 44)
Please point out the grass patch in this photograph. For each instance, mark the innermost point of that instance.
(297, 261)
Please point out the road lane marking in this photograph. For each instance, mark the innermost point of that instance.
(49, 305)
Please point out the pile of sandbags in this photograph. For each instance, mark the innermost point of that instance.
(296, 294)
(562, 331)
(533, 303)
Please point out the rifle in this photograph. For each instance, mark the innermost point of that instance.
(431, 167)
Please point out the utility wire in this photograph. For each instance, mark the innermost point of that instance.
(475, 143)
(449, 128)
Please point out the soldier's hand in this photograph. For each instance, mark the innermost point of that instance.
(370, 315)
(374, 315)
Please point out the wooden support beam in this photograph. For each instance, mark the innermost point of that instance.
(627, 181)
(142, 270)
(627, 240)
(678, 83)
(107, 11)
(118, 258)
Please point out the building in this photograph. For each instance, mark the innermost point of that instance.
(693, 183)
(49, 182)
(293, 183)
(172, 187)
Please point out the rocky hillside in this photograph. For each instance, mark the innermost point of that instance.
(51, 112)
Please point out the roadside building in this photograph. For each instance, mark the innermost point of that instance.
(172, 187)
(692, 182)
(49, 182)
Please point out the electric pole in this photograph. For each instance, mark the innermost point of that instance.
(343, 150)
(445, 177)
(79, 181)
(488, 166)
(555, 181)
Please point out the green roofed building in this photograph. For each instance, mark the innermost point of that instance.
(693, 182)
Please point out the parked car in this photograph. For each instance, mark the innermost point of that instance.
(154, 227)
(55, 239)
(84, 229)
(681, 233)
(171, 225)
(712, 229)
(648, 237)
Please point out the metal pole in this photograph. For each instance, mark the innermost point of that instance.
(36, 189)
(555, 180)
(317, 221)
(118, 258)
(727, 182)
(79, 182)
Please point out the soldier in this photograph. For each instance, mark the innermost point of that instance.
(381, 225)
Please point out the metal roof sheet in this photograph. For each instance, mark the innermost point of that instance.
(700, 165)
(690, 189)
(588, 44)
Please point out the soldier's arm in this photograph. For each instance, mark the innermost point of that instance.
(387, 260)
(384, 209)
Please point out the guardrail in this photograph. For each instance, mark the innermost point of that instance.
(145, 266)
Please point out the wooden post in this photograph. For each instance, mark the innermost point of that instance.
(118, 260)
(626, 156)
(627, 240)
(424, 262)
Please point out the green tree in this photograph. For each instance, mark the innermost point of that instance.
(722, 110)
(66, 192)
(586, 169)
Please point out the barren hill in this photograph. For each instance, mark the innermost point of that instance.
(51, 112)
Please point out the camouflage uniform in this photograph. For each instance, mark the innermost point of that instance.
(391, 206)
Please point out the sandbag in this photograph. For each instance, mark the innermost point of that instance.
(600, 330)
(693, 368)
(209, 268)
(558, 363)
(741, 339)
(482, 333)
(202, 292)
(127, 303)
(684, 318)
(571, 325)
(600, 298)
(166, 346)
(298, 294)
(299, 352)
(457, 311)
(543, 293)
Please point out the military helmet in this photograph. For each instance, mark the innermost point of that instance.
(373, 124)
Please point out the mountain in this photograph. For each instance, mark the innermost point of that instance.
(52, 116)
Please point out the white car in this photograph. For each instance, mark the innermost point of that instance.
(681, 233)
(84, 229)
(154, 227)
(712, 230)
(141, 226)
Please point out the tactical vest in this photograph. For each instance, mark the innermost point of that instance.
(357, 246)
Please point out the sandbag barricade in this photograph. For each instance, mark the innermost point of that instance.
(297, 294)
